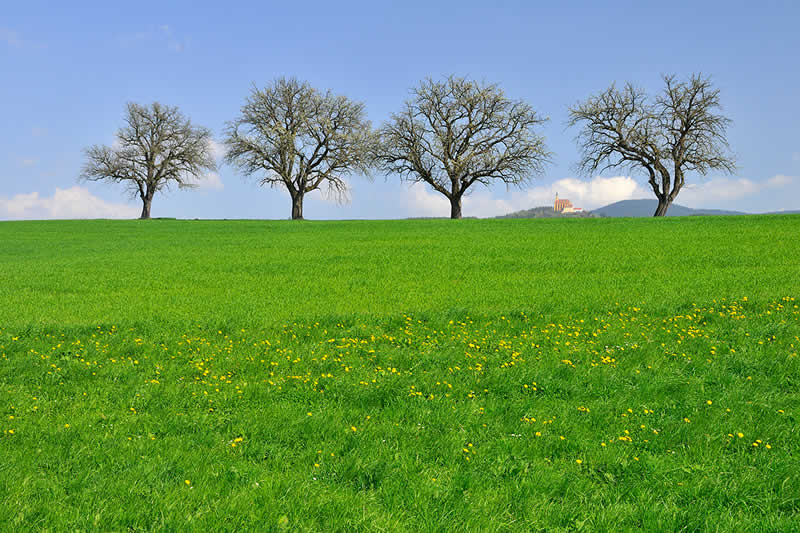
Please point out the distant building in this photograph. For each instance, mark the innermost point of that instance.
(565, 206)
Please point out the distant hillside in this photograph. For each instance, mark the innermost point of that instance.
(629, 208)
(783, 213)
(646, 208)
(546, 212)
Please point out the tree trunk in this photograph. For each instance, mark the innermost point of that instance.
(663, 205)
(455, 207)
(147, 201)
(297, 206)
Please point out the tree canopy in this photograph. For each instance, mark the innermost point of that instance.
(456, 133)
(158, 147)
(678, 132)
(290, 135)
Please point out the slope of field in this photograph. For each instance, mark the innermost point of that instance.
(79, 273)
(487, 375)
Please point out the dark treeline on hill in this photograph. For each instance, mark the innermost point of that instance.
(547, 212)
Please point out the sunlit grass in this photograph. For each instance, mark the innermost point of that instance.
(536, 399)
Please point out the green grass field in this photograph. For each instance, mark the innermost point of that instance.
(531, 375)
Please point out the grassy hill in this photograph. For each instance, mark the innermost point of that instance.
(212, 272)
(646, 208)
(400, 375)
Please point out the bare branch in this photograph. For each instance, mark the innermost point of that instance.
(678, 132)
(290, 135)
(157, 147)
(456, 132)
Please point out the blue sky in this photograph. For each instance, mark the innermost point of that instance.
(68, 70)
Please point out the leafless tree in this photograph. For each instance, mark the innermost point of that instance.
(455, 133)
(157, 147)
(291, 135)
(678, 132)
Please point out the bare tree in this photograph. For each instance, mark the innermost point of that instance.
(456, 133)
(156, 148)
(293, 136)
(678, 132)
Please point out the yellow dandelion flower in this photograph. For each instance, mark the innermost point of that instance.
(187, 481)
(579, 461)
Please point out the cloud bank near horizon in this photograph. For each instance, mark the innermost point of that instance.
(774, 194)
(588, 194)
(777, 193)
(75, 202)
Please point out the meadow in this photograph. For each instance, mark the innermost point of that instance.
(432, 375)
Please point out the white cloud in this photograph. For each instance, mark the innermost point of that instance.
(212, 181)
(738, 193)
(422, 202)
(207, 182)
(483, 204)
(75, 202)
(218, 150)
(588, 194)
(780, 181)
